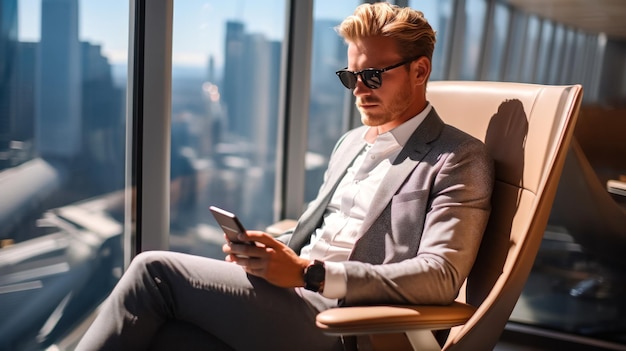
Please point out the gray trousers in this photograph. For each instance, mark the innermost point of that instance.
(174, 301)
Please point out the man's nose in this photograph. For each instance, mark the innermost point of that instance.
(360, 88)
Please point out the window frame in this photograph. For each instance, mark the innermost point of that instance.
(148, 127)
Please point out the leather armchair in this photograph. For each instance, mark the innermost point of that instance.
(527, 129)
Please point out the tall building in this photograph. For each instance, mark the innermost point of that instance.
(102, 123)
(249, 93)
(25, 123)
(8, 60)
(258, 95)
(329, 55)
(233, 78)
(58, 100)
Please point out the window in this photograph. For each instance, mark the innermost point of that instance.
(494, 61)
(557, 59)
(439, 15)
(225, 99)
(330, 102)
(590, 59)
(569, 49)
(530, 50)
(475, 14)
(545, 52)
(62, 137)
(515, 50)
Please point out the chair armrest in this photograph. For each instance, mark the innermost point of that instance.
(392, 319)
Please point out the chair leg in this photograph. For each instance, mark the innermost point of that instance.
(423, 340)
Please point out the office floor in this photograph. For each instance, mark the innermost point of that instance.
(518, 340)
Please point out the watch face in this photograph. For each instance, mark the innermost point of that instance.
(316, 273)
(314, 276)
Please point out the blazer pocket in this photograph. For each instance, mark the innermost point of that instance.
(408, 212)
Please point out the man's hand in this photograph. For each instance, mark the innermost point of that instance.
(270, 259)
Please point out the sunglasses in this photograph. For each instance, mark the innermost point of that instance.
(371, 77)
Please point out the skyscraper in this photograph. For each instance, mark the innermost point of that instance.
(8, 60)
(102, 119)
(250, 83)
(233, 77)
(58, 112)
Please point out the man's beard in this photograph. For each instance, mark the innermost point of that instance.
(385, 113)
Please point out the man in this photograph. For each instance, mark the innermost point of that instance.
(399, 219)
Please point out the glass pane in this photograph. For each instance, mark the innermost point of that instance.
(475, 13)
(516, 47)
(328, 98)
(62, 137)
(591, 59)
(556, 59)
(569, 48)
(497, 46)
(225, 84)
(545, 52)
(530, 50)
(439, 15)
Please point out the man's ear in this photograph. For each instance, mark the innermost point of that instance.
(422, 69)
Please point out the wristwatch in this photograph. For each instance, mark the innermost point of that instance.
(314, 276)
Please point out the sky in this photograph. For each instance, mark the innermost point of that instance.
(198, 24)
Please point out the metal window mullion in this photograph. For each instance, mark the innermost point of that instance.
(148, 136)
(294, 115)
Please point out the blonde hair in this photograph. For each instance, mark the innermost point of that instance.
(408, 27)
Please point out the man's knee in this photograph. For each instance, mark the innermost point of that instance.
(149, 261)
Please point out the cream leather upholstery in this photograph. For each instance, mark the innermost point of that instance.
(527, 129)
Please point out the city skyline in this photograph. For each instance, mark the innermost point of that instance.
(200, 35)
(69, 122)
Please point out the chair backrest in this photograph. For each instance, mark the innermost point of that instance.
(527, 129)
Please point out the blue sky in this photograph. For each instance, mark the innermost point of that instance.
(198, 24)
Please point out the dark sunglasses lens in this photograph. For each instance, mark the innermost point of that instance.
(348, 79)
(372, 78)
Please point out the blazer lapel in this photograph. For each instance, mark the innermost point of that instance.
(346, 152)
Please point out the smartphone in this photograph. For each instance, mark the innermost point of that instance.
(230, 225)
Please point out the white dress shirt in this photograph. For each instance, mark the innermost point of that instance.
(334, 240)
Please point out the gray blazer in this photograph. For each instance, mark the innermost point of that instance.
(420, 237)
